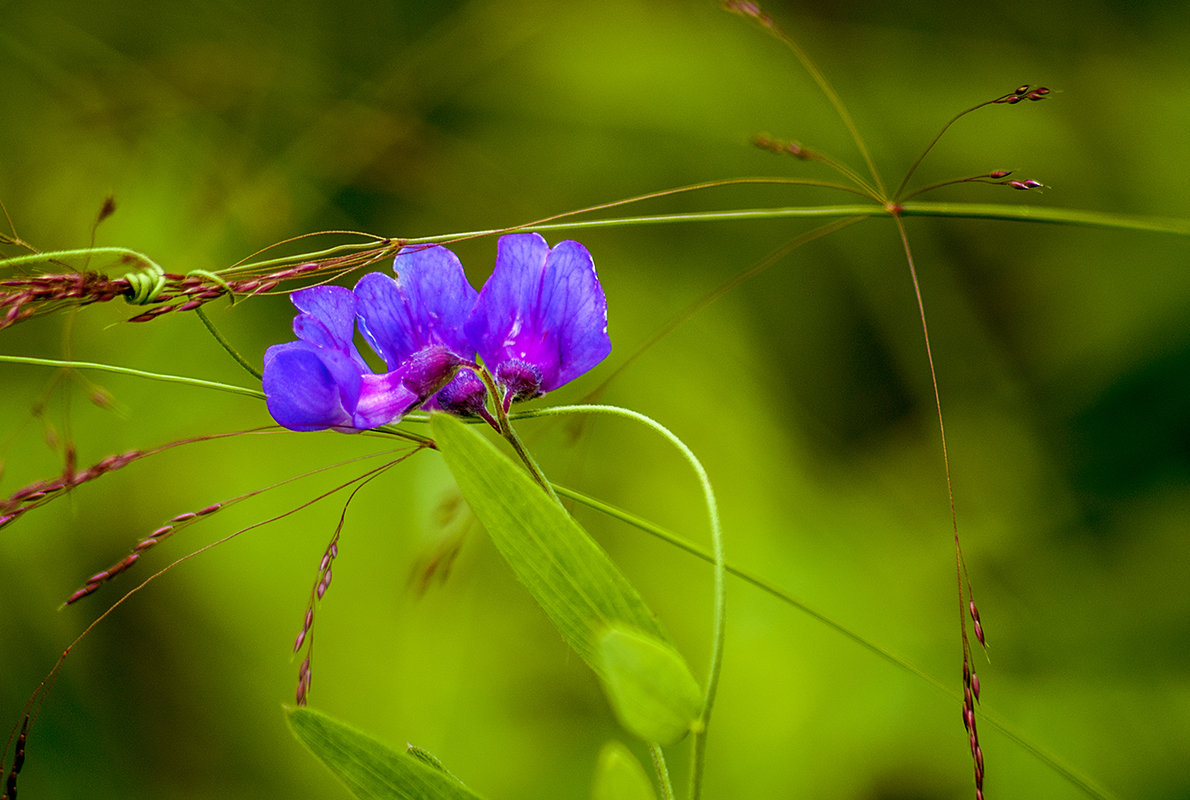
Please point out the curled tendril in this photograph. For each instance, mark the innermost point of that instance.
(145, 286)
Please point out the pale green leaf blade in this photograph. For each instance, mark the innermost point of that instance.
(370, 769)
(619, 776)
(567, 572)
(649, 686)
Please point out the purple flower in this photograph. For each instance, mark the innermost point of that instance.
(320, 381)
(539, 322)
(541, 318)
(413, 322)
(417, 320)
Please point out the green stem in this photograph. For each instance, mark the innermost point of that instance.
(510, 434)
(663, 781)
(833, 97)
(156, 376)
(87, 252)
(1053, 216)
(239, 359)
(858, 210)
(698, 760)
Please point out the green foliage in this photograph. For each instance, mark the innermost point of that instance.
(1061, 355)
(371, 770)
(587, 598)
(649, 685)
(619, 776)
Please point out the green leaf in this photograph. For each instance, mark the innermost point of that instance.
(590, 602)
(619, 776)
(649, 686)
(568, 574)
(371, 770)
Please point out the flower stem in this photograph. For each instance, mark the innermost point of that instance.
(509, 433)
(697, 762)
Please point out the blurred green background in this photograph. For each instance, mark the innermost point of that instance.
(1063, 359)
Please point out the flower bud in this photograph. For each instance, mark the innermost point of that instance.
(429, 369)
(465, 396)
(520, 378)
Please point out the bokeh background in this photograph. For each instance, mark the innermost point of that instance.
(1063, 359)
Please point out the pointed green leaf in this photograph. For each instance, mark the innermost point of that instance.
(649, 686)
(568, 574)
(371, 770)
(619, 776)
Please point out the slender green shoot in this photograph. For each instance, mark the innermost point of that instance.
(121, 254)
(667, 789)
(139, 373)
(226, 345)
(720, 601)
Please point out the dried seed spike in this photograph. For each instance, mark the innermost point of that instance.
(1024, 87)
(211, 509)
(19, 759)
(324, 584)
(126, 458)
(301, 639)
(126, 562)
(81, 593)
(184, 517)
(1000, 173)
(748, 9)
(303, 687)
(979, 634)
(975, 686)
(21, 495)
(145, 544)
